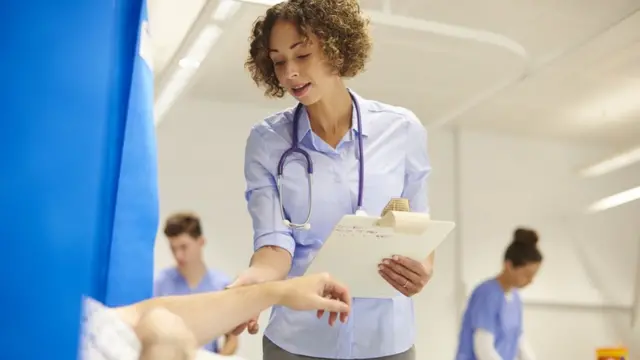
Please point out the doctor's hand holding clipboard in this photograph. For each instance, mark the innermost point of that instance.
(406, 275)
(335, 153)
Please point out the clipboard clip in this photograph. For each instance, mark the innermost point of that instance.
(397, 215)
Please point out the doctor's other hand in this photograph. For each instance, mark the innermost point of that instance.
(406, 275)
(252, 327)
(315, 292)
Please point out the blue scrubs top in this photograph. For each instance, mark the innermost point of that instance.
(171, 282)
(491, 310)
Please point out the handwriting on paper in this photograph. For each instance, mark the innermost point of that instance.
(357, 231)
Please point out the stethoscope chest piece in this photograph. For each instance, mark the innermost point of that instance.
(295, 148)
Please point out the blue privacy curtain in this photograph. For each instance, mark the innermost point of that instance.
(129, 270)
(73, 148)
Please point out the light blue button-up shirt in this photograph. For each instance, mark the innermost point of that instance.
(396, 165)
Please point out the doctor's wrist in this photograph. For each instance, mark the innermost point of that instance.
(254, 275)
(260, 274)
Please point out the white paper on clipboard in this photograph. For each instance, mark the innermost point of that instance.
(358, 243)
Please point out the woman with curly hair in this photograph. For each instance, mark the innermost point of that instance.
(306, 48)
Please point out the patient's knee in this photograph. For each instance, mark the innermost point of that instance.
(164, 336)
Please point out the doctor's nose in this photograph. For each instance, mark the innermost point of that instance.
(291, 71)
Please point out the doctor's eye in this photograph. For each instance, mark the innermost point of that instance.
(303, 56)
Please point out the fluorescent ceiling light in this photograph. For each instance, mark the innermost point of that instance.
(203, 43)
(615, 200)
(617, 162)
(188, 63)
(170, 93)
(226, 9)
(187, 68)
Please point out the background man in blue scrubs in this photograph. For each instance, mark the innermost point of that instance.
(191, 275)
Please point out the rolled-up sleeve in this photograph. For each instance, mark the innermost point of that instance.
(418, 166)
(262, 197)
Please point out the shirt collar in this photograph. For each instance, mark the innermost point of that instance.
(304, 126)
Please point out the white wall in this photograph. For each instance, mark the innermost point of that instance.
(201, 148)
(579, 299)
(635, 333)
(507, 181)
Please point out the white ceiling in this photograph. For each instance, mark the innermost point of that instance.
(574, 72)
(170, 22)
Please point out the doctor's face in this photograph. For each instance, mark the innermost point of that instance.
(299, 63)
(521, 276)
(186, 249)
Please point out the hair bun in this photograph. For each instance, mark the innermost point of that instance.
(525, 236)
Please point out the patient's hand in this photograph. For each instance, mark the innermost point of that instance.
(318, 292)
(164, 336)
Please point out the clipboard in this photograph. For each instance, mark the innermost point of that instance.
(358, 243)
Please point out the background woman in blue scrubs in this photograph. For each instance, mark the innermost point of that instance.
(191, 275)
(306, 48)
(492, 323)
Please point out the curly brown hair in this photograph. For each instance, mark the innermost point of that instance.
(339, 24)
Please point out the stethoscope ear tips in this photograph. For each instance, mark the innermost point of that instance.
(286, 223)
(307, 226)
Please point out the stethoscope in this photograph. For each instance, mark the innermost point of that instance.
(296, 149)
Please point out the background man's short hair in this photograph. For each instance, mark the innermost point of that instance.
(183, 223)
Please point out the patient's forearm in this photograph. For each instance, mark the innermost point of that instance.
(211, 315)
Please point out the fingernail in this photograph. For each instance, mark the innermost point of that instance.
(395, 257)
(380, 267)
(385, 261)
